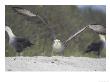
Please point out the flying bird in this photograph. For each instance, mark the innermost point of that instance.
(18, 43)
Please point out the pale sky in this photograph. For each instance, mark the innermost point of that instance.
(96, 7)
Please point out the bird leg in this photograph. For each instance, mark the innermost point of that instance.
(98, 54)
(52, 53)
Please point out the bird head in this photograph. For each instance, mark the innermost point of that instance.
(57, 41)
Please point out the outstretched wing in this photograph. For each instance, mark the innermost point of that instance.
(74, 35)
(98, 28)
(35, 18)
(30, 15)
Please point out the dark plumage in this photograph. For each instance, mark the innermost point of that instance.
(95, 47)
(20, 44)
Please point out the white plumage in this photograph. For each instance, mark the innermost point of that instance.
(57, 46)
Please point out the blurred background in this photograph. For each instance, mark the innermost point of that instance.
(65, 20)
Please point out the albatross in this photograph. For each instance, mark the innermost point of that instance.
(59, 46)
(94, 46)
(97, 46)
(18, 43)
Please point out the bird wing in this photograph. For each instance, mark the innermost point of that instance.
(35, 18)
(30, 15)
(74, 35)
(98, 28)
(24, 42)
(23, 11)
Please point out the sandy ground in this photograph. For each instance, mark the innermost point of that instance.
(55, 63)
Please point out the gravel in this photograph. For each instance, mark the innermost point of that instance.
(54, 63)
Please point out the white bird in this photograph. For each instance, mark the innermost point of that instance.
(57, 45)
(18, 43)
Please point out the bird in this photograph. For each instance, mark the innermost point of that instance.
(97, 46)
(33, 18)
(94, 46)
(99, 29)
(18, 43)
(59, 46)
(101, 43)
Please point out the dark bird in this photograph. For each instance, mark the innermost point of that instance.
(94, 46)
(18, 43)
(58, 46)
(97, 46)
(33, 18)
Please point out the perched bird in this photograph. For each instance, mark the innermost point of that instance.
(33, 18)
(18, 43)
(94, 46)
(58, 46)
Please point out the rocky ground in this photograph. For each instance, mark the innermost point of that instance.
(55, 63)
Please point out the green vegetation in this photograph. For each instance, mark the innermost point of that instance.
(65, 20)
